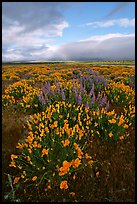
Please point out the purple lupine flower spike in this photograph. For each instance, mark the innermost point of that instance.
(92, 90)
(63, 95)
(93, 98)
(79, 100)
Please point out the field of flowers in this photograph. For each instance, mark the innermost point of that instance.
(68, 132)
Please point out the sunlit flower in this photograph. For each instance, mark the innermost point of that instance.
(16, 179)
(87, 156)
(13, 156)
(110, 134)
(12, 164)
(65, 143)
(49, 187)
(112, 121)
(72, 193)
(90, 162)
(47, 129)
(121, 137)
(75, 163)
(34, 178)
(97, 174)
(44, 151)
(121, 120)
(95, 124)
(111, 113)
(64, 185)
(19, 146)
(125, 126)
(65, 168)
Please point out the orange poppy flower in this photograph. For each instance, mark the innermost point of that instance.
(13, 156)
(64, 185)
(34, 178)
(16, 179)
(65, 143)
(44, 151)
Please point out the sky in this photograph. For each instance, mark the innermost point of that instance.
(41, 31)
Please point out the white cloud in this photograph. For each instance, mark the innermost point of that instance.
(123, 22)
(114, 46)
(99, 38)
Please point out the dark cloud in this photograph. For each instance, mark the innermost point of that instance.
(31, 15)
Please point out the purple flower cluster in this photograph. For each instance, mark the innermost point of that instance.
(88, 92)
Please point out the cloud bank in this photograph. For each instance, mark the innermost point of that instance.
(109, 47)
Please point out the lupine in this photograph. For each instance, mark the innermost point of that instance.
(79, 100)
(92, 90)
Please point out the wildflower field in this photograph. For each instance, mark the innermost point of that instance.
(68, 132)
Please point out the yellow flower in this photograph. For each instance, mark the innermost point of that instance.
(95, 124)
(60, 116)
(65, 168)
(112, 121)
(34, 178)
(97, 174)
(120, 120)
(74, 177)
(110, 134)
(47, 129)
(49, 187)
(121, 137)
(44, 151)
(87, 156)
(16, 179)
(22, 176)
(72, 193)
(87, 127)
(90, 162)
(75, 163)
(64, 185)
(13, 156)
(55, 123)
(12, 164)
(69, 131)
(19, 146)
(29, 150)
(125, 126)
(39, 146)
(111, 113)
(28, 106)
(76, 146)
(66, 126)
(35, 144)
(80, 132)
(65, 143)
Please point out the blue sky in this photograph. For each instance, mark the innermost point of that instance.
(68, 30)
